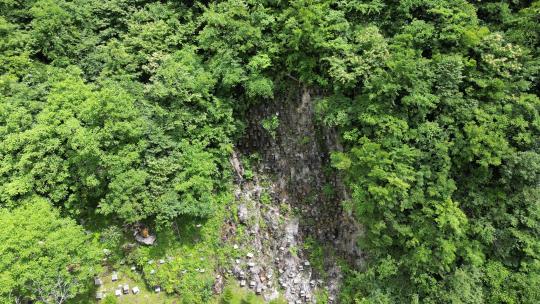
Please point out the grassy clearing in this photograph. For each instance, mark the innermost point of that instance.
(125, 276)
(132, 279)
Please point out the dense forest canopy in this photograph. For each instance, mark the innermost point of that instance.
(127, 112)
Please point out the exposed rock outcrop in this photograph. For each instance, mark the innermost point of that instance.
(292, 173)
(275, 262)
(298, 157)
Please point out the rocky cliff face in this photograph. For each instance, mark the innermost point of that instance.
(292, 196)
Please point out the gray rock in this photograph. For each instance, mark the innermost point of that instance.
(149, 240)
(218, 285)
(242, 213)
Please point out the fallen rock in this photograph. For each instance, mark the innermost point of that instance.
(149, 240)
(242, 213)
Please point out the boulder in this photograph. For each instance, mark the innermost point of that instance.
(149, 240)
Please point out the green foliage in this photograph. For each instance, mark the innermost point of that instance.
(235, 295)
(280, 300)
(110, 299)
(44, 257)
(429, 136)
(112, 238)
(317, 255)
(127, 110)
(321, 296)
(105, 152)
(227, 296)
(266, 198)
(240, 53)
(271, 124)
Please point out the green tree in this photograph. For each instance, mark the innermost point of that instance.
(45, 257)
(115, 152)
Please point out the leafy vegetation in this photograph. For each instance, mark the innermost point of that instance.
(233, 295)
(435, 137)
(271, 124)
(116, 114)
(45, 257)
